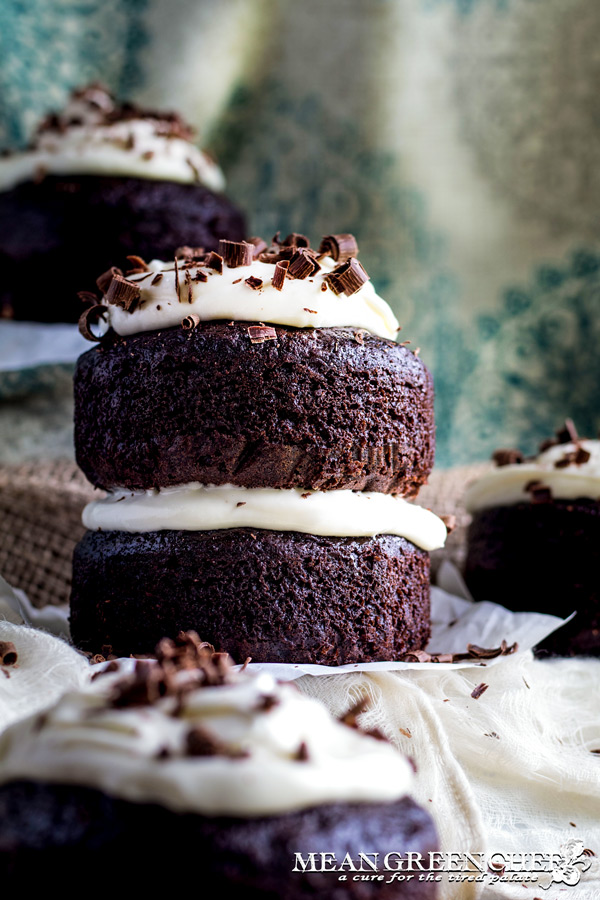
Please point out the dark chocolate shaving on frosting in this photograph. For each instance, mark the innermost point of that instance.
(302, 264)
(479, 690)
(507, 457)
(236, 253)
(123, 293)
(280, 273)
(139, 265)
(254, 282)
(90, 317)
(347, 278)
(189, 252)
(103, 281)
(339, 246)
(258, 244)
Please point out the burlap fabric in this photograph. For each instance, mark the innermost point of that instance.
(40, 522)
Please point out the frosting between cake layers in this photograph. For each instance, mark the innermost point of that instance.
(506, 485)
(197, 507)
(132, 147)
(302, 303)
(138, 753)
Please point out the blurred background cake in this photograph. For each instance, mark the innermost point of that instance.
(185, 759)
(258, 475)
(100, 181)
(534, 541)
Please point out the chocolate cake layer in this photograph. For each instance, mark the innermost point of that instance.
(274, 596)
(315, 408)
(70, 229)
(71, 834)
(543, 557)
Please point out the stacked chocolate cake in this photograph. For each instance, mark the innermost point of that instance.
(98, 179)
(258, 474)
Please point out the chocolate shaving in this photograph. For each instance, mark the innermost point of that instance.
(473, 652)
(539, 493)
(279, 274)
(123, 293)
(340, 247)
(103, 281)
(190, 322)
(259, 246)
(8, 653)
(139, 265)
(189, 252)
(157, 278)
(350, 717)
(236, 253)
(479, 690)
(507, 457)
(576, 457)
(198, 742)
(258, 334)
(267, 703)
(449, 521)
(302, 264)
(214, 261)
(89, 317)
(88, 298)
(254, 282)
(568, 433)
(302, 754)
(347, 278)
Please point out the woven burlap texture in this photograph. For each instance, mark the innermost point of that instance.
(40, 522)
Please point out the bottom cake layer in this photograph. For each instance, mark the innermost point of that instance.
(274, 596)
(71, 834)
(543, 557)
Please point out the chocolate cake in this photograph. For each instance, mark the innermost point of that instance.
(257, 473)
(533, 543)
(98, 180)
(132, 778)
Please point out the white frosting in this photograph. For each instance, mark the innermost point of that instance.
(82, 740)
(302, 303)
(197, 507)
(505, 485)
(133, 148)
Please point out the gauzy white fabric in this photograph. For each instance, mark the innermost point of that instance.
(509, 771)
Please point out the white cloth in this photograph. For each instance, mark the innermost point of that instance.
(506, 772)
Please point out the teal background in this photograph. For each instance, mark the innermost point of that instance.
(458, 139)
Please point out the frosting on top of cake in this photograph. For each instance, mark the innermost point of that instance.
(569, 470)
(197, 507)
(285, 285)
(94, 135)
(203, 740)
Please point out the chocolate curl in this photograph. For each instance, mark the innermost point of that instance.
(190, 322)
(139, 265)
(88, 298)
(302, 264)
(123, 293)
(236, 254)
(258, 244)
(103, 281)
(91, 316)
(348, 278)
(279, 274)
(188, 252)
(8, 653)
(258, 334)
(340, 247)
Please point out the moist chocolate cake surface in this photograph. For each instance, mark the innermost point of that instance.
(72, 833)
(71, 228)
(543, 557)
(325, 408)
(274, 596)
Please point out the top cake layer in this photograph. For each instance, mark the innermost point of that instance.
(338, 405)
(94, 135)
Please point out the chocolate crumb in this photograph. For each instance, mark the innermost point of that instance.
(313, 311)
(267, 703)
(406, 732)
(302, 754)
(241, 503)
(479, 690)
